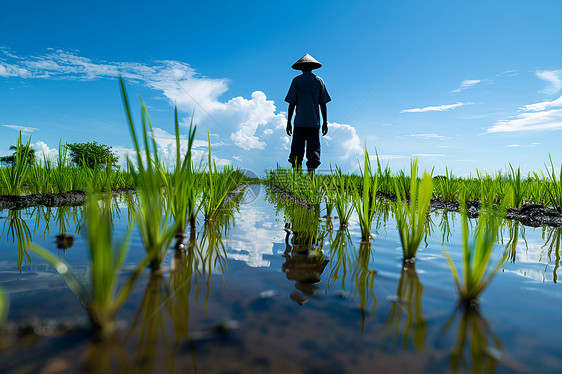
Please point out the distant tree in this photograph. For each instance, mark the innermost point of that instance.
(10, 160)
(91, 155)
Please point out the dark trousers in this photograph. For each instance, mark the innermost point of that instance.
(309, 137)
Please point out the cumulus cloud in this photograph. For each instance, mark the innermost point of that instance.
(467, 83)
(553, 78)
(346, 141)
(41, 148)
(249, 115)
(178, 81)
(24, 129)
(438, 108)
(245, 124)
(538, 116)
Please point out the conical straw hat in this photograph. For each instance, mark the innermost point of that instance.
(307, 62)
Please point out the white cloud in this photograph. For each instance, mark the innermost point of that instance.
(389, 157)
(428, 136)
(543, 105)
(428, 155)
(507, 73)
(248, 116)
(536, 117)
(467, 83)
(347, 142)
(533, 121)
(41, 148)
(178, 81)
(243, 123)
(439, 108)
(553, 78)
(24, 129)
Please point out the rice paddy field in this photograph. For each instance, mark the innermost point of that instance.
(205, 270)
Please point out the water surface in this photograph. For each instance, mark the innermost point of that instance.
(273, 288)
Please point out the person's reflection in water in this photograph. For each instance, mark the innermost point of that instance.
(304, 258)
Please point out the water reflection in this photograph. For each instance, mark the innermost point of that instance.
(16, 228)
(446, 223)
(553, 238)
(150, 323)
(341, 249)
(408, 302)
(167, 303)
(304, 257)
(363, 279)
(65, 221)
(476, 349)
(516, 230)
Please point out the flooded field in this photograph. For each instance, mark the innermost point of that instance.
(272, 287)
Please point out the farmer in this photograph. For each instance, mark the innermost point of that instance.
(307, 94)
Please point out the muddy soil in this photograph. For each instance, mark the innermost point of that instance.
(71, 198)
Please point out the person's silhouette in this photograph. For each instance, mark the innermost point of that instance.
(308, 95)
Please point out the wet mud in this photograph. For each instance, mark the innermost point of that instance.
(71, 198)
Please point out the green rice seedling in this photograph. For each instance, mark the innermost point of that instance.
(402, 183)
(217, 187)
(384, 176)
(518, 186)
(329, 199)
(180, 184)
(447, 188)
(304, 224)
(12, 177)
(555, 190)
(38, 178)
(100, 296)
(365, 200)
(153, 213)
(411, 219)
(476, 257)
(344, 207)
(539, 191)
(61, 175)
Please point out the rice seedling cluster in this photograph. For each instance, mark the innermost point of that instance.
(165, 202)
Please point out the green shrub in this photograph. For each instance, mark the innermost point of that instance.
(91, 155)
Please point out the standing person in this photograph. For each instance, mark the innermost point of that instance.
(308, 95)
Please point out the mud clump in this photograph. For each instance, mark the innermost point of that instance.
(535, 215)
(71, 198)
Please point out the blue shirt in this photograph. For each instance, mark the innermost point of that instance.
(307, 92)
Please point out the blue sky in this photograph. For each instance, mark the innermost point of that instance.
(463, 84)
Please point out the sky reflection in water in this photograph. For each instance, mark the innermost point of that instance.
(280, 271)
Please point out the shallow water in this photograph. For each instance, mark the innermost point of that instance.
(263, 294)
